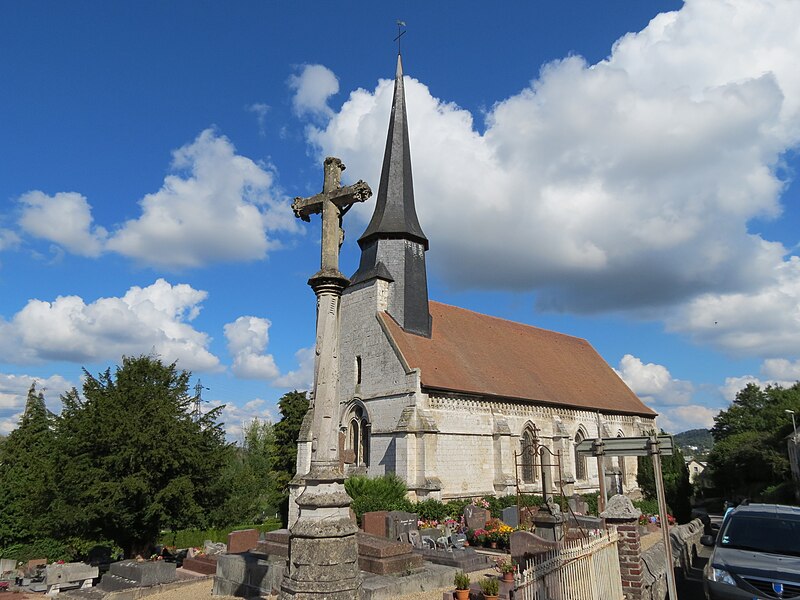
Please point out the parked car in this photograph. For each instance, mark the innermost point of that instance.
(756, 554)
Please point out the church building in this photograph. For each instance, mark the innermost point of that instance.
(452, 400)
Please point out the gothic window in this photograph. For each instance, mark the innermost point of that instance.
(529, 462)
(580, 461)
(358, 370)
(358, 436)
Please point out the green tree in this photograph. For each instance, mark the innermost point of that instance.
(293, 407)
(28, 476)
(134, 458)
(249, 478)
(750, 451)
(677, 488)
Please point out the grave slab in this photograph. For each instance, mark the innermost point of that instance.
(144, 573)
(510, 516)
(399, 522)
(475, 517)
(242, 540)
(207, 565)
(375, 522)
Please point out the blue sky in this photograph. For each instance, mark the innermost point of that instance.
(619, 171)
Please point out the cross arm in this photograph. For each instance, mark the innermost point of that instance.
(342, 197)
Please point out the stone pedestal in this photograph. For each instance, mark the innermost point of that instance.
(621, 515)
(323, 551)
(549, 524)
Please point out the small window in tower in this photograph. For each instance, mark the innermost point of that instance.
(358, 370)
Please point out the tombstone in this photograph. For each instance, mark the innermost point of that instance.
(7, 565)
(510, 516)
(58, 576)
(242, 540)
(374, 522)
(524, 544)
(141, 574)
(399, 523)
(578, 505)
(475, 517)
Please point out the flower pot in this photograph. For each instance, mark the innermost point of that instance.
(462, 594)
(490, 597)
(508, 577)
(492, 544)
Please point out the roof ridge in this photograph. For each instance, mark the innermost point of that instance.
(514, 323)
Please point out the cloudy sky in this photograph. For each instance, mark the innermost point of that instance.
(623, 172)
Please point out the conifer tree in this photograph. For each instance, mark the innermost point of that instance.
(27, 476)
(137, 459)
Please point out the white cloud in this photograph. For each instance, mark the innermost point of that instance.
(653, 383)
(682, 418)
(64, 219)
(303, 378)
(8, 239)
(216, 206)
(763, 322)
(155, 318)
(781, 369)
(235, 417)
(260, 110)
(624, 185)
(248, 338)
(312, 88)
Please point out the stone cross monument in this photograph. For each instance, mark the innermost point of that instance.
(323, 552)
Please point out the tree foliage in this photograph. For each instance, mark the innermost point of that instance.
(27, 476)
(135, 460)
(248, 476)
(677, 488)
(293, 407)
(750, 449)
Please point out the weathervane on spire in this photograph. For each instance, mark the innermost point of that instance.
(399, 34)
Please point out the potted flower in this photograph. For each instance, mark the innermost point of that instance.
(461, 581)
(506, 567)
(490, 588)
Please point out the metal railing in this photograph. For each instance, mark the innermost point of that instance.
(580, 569)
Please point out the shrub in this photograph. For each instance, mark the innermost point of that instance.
(431, 510)
(461, 581)
(648, 507)
(194, 538)
(387, 492)
(490, 586)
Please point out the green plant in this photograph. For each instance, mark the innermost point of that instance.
(648, 507)
(490, 586)
(387, 492)
(461, 581)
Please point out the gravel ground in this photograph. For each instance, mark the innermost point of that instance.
(201, 590)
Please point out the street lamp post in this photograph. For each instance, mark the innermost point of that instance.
(794, 425)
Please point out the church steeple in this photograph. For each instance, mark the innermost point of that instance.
(395, 214)
(393, 245)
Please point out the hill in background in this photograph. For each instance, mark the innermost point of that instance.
(695, 442)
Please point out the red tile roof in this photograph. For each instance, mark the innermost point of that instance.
(477, 354)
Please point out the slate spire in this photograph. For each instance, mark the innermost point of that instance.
(393, 245)
(395, 214)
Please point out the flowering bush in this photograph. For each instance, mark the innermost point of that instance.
(644, 519)
(504, 565)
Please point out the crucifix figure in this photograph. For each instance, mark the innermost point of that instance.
(333, 202)
(323, 552)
